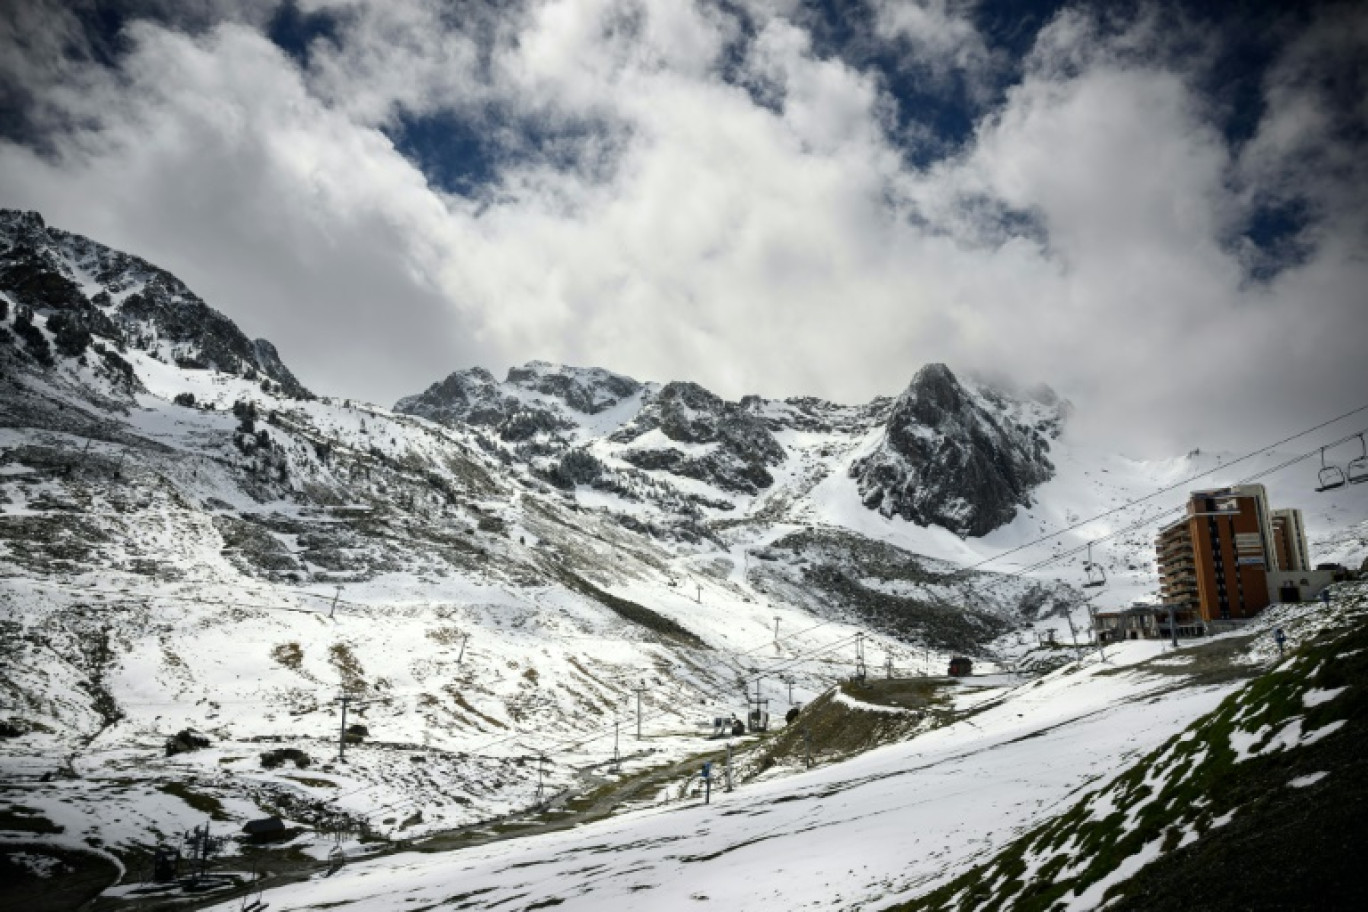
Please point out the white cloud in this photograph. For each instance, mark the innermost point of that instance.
(1082, 237)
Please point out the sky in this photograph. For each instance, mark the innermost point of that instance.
(1156, 209)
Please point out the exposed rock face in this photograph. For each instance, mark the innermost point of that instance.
(474, 397)
(590, 390)
(953, 458)
(85, 288)
(731, 444)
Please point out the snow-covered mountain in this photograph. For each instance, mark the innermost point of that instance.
(495, 570)
(959, 456)
(86, 290)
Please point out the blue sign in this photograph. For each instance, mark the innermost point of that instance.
(707, 770)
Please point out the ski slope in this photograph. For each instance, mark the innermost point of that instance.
(893, 822)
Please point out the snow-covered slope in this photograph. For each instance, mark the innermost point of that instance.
(495, 571)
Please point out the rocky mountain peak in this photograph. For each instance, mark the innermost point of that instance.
(933, 395)
(953, 457)
(83, 288)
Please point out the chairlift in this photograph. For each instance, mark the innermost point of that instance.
(1330, 477)
(1097, 577)
(1357, 470)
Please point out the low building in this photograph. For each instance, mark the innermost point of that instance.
(1290, 587)
(1147, 622)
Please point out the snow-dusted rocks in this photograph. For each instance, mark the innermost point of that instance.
(953, 457)
(725, 444)
(71, 289)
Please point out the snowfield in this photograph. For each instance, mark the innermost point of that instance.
(896, 821)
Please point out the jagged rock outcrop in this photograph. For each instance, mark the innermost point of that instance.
(952, 457)
(726, 444)
(474, 397)
(86, 289)
(590, 390)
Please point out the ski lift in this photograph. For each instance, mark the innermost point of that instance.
(1330, 477)
(1097, 577)
(1357, 470)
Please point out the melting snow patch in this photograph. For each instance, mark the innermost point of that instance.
(1331, 728)
(852, 703)
(1091, 898)
(1104, 807)
(1317, 697)
(1308, 779)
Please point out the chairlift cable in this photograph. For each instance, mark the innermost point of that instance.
(1172, 487)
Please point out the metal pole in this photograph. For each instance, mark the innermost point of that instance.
(1097, 634)
(638, 693)
(617, 758)
(1073, 632)
(728, 767)
(461, 655)
(333, 607)
(342, 733)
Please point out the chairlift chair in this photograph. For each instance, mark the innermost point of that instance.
(1357, 470)
(1097, 577)
(1330, 476)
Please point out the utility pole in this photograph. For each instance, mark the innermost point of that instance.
(342, 733)
(888, 666)
(617, 758)
(639, 691)
(860, 670)
(80, 460)
(333, 606)
(1097, 634)
(1073, 632)
(541, 780)
(776, 634)
(461, 655)
(698, 595)
(788, 679)
(727, 768)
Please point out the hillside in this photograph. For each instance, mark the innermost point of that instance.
(492, 572)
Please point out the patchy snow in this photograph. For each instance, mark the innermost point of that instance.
(902, 817)
(1315, 697)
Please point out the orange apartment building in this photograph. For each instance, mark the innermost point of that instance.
(1214, 562)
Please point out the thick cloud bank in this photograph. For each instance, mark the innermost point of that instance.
(735, 193)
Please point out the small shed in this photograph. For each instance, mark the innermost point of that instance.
(960, 666)
(264, 829)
